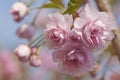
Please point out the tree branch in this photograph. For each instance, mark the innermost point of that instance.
(104, 5)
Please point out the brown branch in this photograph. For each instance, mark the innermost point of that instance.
(104, 5)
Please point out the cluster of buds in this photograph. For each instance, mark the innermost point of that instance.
(25, 53)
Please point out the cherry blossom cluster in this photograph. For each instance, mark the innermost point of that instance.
(74, 41)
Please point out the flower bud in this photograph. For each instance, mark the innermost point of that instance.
(26, 31)
(23, 52)
(35, 61)
(19, 10)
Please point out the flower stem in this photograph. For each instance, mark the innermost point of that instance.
(39, 48)
(33, 41)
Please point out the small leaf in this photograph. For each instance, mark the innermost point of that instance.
(73, 6)
(59, 2)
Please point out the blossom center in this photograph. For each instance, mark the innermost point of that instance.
(57, 35)
(76, 55)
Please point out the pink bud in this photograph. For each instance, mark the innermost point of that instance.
(23, 52)
(26, 31)
(19, 10)
(35, 61)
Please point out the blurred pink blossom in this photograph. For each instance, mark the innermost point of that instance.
(9, 65)
(74, 59)
(19, 10)
(26, 31)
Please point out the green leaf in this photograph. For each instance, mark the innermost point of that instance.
(73, 6)
(52, 5)
(59, 2)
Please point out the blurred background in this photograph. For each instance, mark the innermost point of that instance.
(9, 40)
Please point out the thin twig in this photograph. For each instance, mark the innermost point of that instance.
(33, 41)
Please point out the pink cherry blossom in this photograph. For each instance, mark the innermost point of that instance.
(74, 59)
(8, 64)
(94, 27)
(23, 52)
(19, 10)
(26, 31)
(57, 30)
